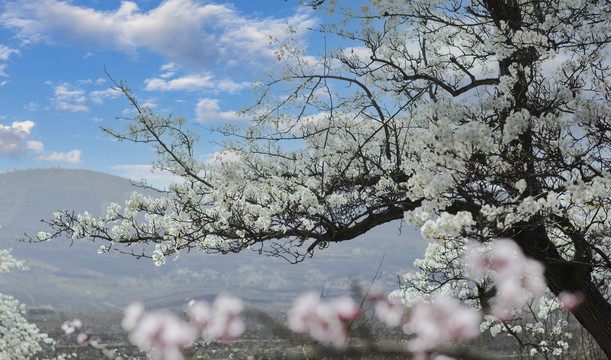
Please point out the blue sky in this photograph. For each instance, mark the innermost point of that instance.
(193, 58)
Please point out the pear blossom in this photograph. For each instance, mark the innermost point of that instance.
(20, 339)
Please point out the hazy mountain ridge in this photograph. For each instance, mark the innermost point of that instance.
(30, 195)
(78, 278)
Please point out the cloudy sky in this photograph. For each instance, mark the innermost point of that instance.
(195, 58)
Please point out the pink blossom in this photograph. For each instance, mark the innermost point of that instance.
(509, 296)
(304, 308)
(389, 311)
(345, 308)
(475, 261)
(570, 301)
(226, 325)
(442, 321)
(516, 277)
(132, 315)
(82, 338)
(324, 321)
(220, 321)
(160, 333)
(200, 314)
(70, 326)
(375, 293)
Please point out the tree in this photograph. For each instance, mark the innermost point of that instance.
(19, 339)
(480, 120)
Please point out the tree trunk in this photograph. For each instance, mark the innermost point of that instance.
(594, 314)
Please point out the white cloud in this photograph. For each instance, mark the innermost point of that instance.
(245, 39)
(168, 67)
(74, 98)
(150, 103)
(189, 83)
(309, 122)
(13, 138)
(187, 32)
(231, 86)
(129, 111)
(224, 156)
(362, 53)
(36, 146)
(14, 141)
(67, 99)
(83, 81)
(195, 82)
(156, 178)
(73, 157)
(207, 110)
(31, 106)
(98, 96)
(6, 51)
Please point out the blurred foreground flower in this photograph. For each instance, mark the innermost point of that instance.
(444, 320)
(570, 301)
(217, 321)
(161, 333)
(517, 278)
(164, 335)
(324, 321)
(70, 326)
(388, 311)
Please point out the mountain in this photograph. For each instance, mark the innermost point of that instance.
(72, 275)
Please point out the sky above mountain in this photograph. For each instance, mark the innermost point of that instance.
(194, 58)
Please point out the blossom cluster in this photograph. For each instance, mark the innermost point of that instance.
(324, 321)
(442, 321)
(165, 335)
(518, 276)
(19, 339)
(437, 321)
(84, 338)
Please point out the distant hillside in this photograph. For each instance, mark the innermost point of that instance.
(30, 195)
(74, 276)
